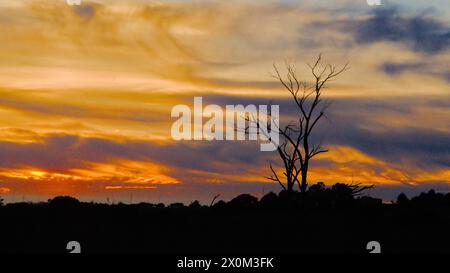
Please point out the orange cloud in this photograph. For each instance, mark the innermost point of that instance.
(4, 190)
(130, 187)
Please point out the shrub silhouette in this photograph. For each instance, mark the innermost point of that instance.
(319, 187)
(64, 202)
(160, 206)
(220, 204)
(402, 199)
(431, 199)
(243, 201)
(195, 205)
(369, 202)
(176, 206)
(343, 195)
(269, 200)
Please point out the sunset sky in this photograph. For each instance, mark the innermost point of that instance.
(87, 92)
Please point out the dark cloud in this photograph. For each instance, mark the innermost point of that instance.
(425, 67)
(421, 147)
(59, 152)
(398, 68)
(52, 154)
(85, 10)
(423, 32)
(348, 119)
(419, 32)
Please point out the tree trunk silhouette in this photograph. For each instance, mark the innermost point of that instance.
(297, 147)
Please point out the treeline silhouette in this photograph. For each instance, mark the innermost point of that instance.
(323, 219)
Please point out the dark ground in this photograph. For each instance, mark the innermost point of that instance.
(324, 221)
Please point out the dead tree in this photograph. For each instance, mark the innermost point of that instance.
(288, 152)
(296, 147)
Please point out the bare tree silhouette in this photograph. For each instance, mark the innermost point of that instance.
(296, 147)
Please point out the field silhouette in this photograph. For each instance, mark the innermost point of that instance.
(324, 219)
